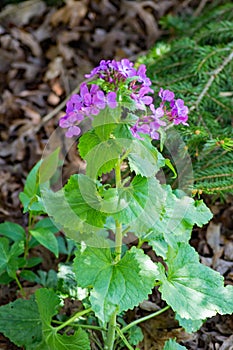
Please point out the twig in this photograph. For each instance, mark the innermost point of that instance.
(211, 79)
(200, 8)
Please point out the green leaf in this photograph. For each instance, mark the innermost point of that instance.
(28, 275)
(48, 166)
(190, 326)
(135, 335)
(103, 157)
(121, 285)
(176, 218)
(77, 207)
(46, 238)
(132, 199)
(88, 146)
(12, 231)
(48, 304)
(144, 158)
(9, 256)
(77, 341)
(106, 121)
(30, 188)
(47, 279)
(31, 262)
(171, 167)
(20, 322)
(193, 290)
(48, 224)
(171, 344)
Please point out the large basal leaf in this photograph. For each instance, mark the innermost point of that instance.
(20, 322)
(115, 286)
(193, 290)
(48, 304)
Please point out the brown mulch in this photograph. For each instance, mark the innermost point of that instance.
(44, 54)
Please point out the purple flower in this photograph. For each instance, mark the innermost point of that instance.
(73, 131)
(140, 98)
(179, 112)
(100, 99)
(103, 66)
(136, 128)
(111, 99)
(166, 95)
(68, 122)
(141, 73)
(125, 67)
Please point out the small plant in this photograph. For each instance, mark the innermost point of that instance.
(102, 212)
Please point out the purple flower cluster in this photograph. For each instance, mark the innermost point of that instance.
(85, 104)
(90, 102)
(166, 114)
(118, 79)
(117, 72)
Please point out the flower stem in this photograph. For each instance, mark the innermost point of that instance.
(118, 248)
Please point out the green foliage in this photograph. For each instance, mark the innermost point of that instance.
(48, 303)
(10, 256)
(198, 67)
(20, 321)
(13, 231)
(121, 286)
(200, 299)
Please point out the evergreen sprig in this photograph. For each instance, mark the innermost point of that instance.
(199, 67)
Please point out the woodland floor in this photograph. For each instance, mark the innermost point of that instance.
(44, 53)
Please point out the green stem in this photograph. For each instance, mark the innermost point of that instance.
(118, 249)
(111, 332)
(77, 325)
(118, 240)
(31, 221)
(73, 318)
(143, 319)
(20, 286)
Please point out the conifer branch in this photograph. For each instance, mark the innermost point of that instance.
(211, 79)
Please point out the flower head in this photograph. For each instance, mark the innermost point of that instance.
(121, 81)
